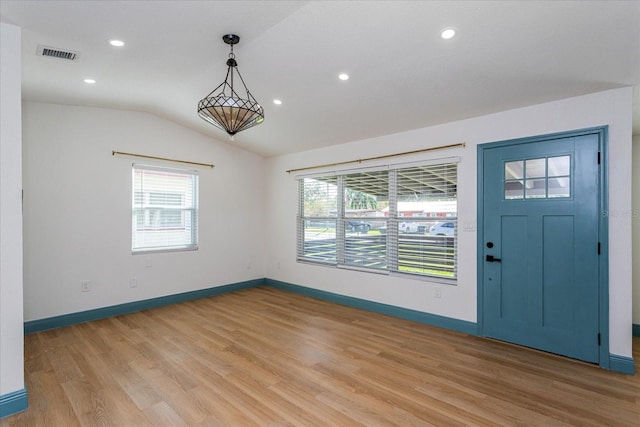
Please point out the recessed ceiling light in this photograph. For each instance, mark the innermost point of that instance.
(116, 43)
(89, 81)
(343, 76)
(277, 102)
(448, 33)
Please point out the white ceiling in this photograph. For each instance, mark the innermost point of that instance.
(506, 54)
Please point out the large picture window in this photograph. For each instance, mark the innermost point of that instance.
(396, 219)
(164, 209)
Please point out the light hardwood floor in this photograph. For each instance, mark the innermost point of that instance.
(271, 358)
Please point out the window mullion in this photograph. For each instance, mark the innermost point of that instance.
(340, 235)
(300, 220)
(392, 224)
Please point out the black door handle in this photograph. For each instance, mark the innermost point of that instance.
(490, 258)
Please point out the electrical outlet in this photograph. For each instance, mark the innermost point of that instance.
(85, 286)
(437, 292)
(133, 283)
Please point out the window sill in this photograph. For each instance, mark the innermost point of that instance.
(164, 250)
(422, 278)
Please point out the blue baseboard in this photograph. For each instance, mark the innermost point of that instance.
(14, 402)
(131, 307)
(403, 313)
(17, 401)
(621, 364)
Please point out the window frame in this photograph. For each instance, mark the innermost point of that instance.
(146, 201)
(545, 177)
(393, 239)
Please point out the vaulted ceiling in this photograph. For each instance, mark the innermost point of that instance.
(403, 75)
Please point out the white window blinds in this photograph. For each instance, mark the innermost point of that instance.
(318, 200)
(164, 209)
(400, 219)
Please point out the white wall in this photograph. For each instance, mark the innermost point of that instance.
(11, 329)
(77, 210)
(611, 108)
(635, 215)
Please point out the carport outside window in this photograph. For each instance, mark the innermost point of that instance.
(390, 219)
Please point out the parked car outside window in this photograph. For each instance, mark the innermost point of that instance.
(411, 227)
(359, 226)
(443, 229)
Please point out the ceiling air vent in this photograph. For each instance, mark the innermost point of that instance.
(57, 53)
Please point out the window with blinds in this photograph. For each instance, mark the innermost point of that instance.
(317, 229)
(396, 219)
(164, 209)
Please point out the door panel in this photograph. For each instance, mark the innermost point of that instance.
(558, 281)
(541, 207)
(514, 297)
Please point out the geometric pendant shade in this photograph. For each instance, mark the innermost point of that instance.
(224, 107)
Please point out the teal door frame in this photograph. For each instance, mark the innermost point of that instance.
(603, 229)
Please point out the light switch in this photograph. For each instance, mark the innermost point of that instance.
(469, 226)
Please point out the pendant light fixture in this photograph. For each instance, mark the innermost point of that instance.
(224, 107)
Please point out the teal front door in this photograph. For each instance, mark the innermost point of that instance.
(540, 244)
